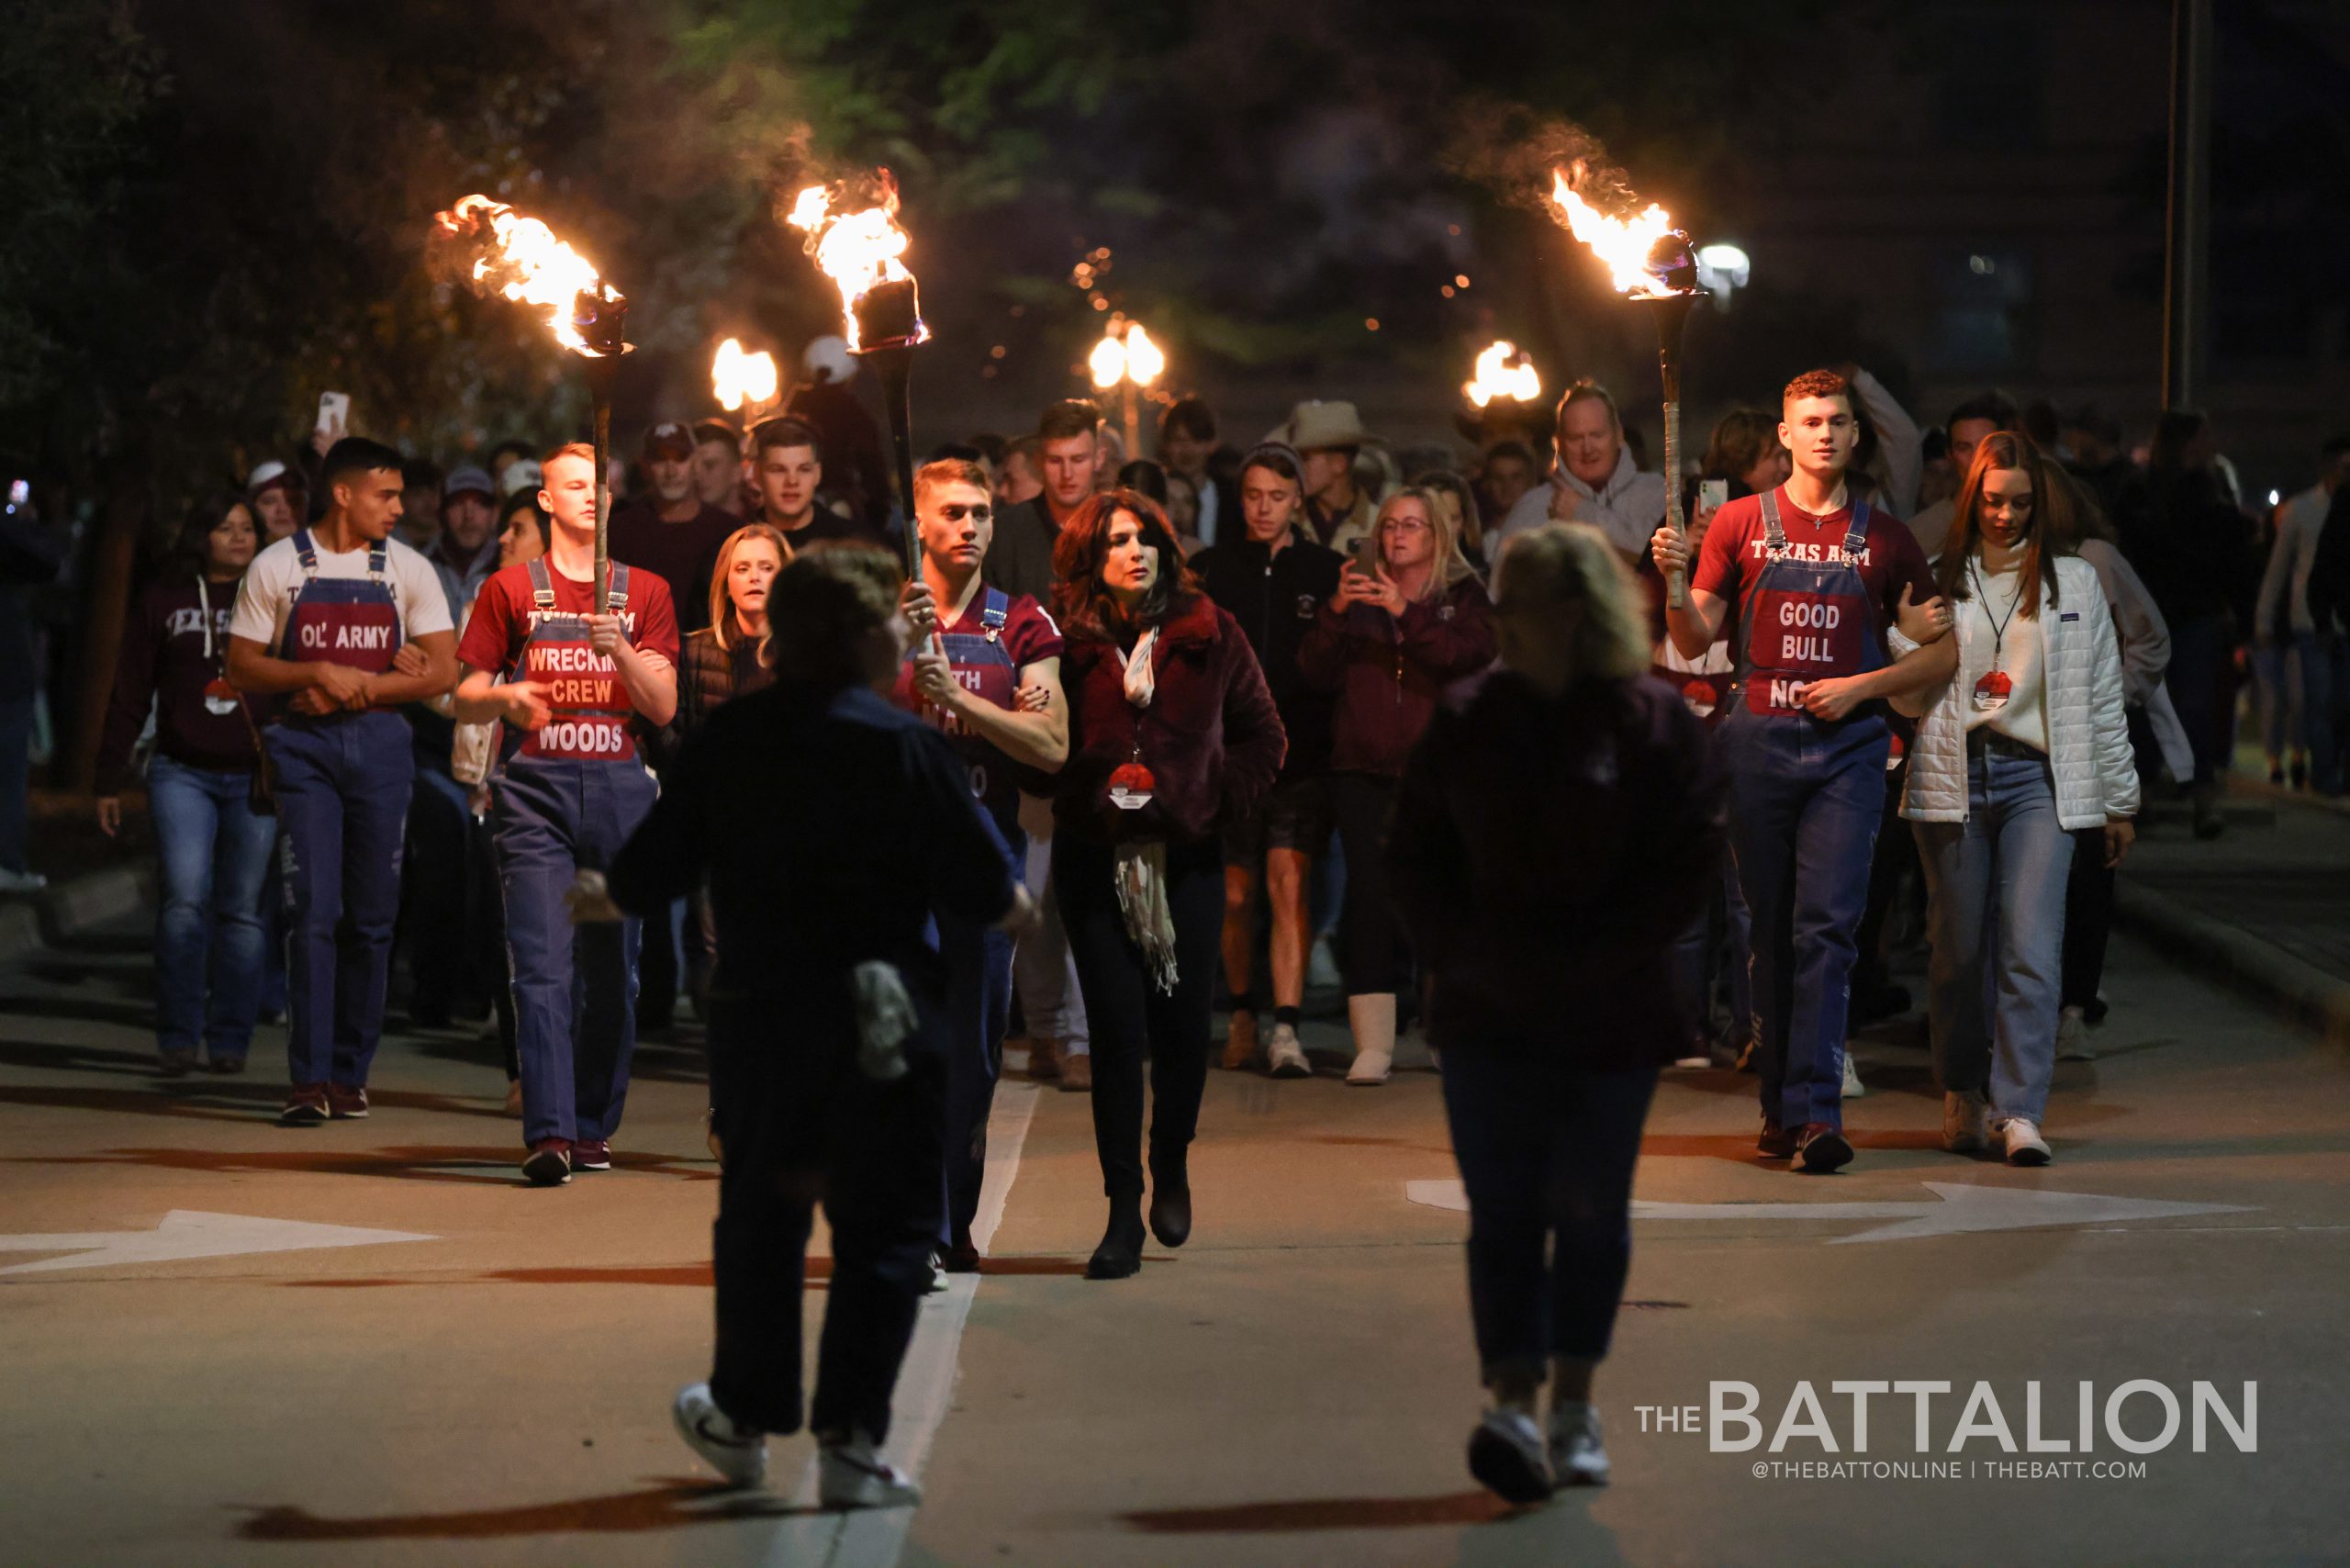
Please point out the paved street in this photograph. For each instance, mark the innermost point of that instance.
(490, 1383)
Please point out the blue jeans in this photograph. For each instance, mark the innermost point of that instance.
(1996, 883)
(1710, 958)
(342, 789)
(1546, 1156)
(978, 1008)
(575, 986)
(215, 852)
(2277, 687)
(1806, 799)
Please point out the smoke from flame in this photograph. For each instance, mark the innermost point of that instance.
(523, 259)
(1503, 372)
(859, 251)
(1621, 243)
(738, 378)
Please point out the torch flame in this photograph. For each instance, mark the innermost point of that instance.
(1125, 352)
(1623, 244)
(859, 251)
(739, 379)
(1503, 372)
(527, 263)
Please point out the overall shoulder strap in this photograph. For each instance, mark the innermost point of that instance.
(378, 559)
(305, 550)
(1856, 533)
(996, 611)
(619, 588)
(542, 585)
(1775, 535)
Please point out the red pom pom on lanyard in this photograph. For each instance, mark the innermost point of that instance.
(1130, 786)
(1992, 692)
(219, 697)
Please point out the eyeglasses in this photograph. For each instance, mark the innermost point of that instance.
(1405, 525)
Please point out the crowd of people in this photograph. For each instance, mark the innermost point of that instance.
(1567, 790)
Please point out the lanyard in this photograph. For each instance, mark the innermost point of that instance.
(1999, 624)
(204, 605)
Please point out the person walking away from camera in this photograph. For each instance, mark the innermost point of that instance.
(2023, 761)
(320, 620)
(573, 682)
(1558, 825)
(212, 845)
(1272, 579)
(1815, 578)
(829, 825)
(1397, 632)
(1171, 733)
(985, 668)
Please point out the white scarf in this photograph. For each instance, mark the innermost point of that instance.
(1141, 869)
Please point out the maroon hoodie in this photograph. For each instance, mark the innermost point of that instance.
(1211, 737)
(1390, 671)
(163, 662)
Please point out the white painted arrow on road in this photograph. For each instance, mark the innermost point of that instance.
(1957, 1206)
(189, 1233)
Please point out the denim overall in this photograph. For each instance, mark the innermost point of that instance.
(569, 795)
(1806, 798)
(342, 784)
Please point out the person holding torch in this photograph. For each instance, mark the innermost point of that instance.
(984, 666)
(1817, 576)
(572, 680)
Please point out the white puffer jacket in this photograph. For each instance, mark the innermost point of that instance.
(2080, 662)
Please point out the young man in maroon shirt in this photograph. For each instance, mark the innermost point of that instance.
(573, 682)
(1816, 578)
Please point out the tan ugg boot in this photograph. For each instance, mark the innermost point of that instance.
(1371, 1017)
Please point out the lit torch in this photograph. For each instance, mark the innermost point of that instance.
(1126, 356)
(1503, 372)
(744, 380)
(1651, 263)
(521, 259)
(861, 251)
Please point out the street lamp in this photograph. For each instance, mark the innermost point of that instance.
(1127, 357)
(1722, 271)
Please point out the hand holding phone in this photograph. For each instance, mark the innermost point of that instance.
(334, 416)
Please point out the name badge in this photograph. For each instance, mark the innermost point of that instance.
(1992, 692)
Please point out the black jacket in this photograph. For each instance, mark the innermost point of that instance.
(1019, 557)
(1275, 597)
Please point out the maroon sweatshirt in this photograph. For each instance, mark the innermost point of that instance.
(163, 662)
(1390, 671)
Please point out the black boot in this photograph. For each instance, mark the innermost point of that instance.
(1120, 1254)
(1170, 1201)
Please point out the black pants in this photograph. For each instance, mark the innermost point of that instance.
(1371, 939)
(2089, 919)
(1129, 1015)
(803, 1126)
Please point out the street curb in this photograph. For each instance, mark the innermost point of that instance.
(62, 914)
(2294, 987)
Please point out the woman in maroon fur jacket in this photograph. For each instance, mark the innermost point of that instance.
(1172, 727)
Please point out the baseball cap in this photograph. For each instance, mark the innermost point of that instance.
(265, 474)
(469, 481)
(671, 438)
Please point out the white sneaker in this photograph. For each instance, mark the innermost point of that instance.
(938, 1280)
(850, 1474)
(1505, 1452)
(2021, 1135)
(1853, 1087)
(1576, 1457)
(1370, 1068)
(1285, 1058)
(2072, 1036)
(736, 1452)
(1966, 1122)
(21, 881)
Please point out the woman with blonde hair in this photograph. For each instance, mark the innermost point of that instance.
(730, 657)
(1559, 824)
(1389, 642)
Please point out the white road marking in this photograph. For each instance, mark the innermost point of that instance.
(875, 1538)
(190, 1233)
(1957, 1206)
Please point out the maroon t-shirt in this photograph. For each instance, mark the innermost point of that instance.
(506, 610)
(682, 555)
(1733, 554)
